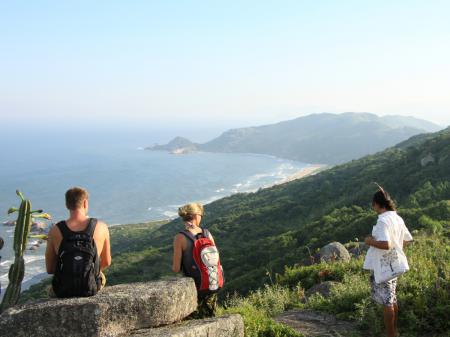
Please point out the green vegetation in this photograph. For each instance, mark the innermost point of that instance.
(269, 229)
(423, 292)
(260, 233)
(21, 233)
(259, 307)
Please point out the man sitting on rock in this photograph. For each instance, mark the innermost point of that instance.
(78, 250)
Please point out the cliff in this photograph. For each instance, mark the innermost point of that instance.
(139, 309)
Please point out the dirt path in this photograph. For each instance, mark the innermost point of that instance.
(317, 324)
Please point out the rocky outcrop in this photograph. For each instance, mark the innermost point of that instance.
(151, 309)
(317, 324)
(428, 159)
(225, 326)
(323, 289)
(174, 145)
(113, 312)
(334, 251)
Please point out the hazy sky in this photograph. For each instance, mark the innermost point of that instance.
(221, 63)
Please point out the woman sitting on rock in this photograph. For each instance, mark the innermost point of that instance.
(196, 255)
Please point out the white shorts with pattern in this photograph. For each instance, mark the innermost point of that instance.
(384, 293)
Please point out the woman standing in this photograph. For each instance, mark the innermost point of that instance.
(195, 254)
(389, 229)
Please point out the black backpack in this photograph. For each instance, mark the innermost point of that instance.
(77, 272)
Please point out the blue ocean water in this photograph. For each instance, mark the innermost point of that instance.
(126, 183)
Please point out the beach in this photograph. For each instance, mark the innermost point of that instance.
(304, 172)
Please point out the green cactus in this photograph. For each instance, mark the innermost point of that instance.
(21, 233)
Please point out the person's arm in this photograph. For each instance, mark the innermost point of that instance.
(50, 254)
(211, 238)
(370, 241)
(105, 257)
(177, 253)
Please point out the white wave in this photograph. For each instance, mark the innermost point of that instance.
(170, 214)
(31, 259)
(6, 262)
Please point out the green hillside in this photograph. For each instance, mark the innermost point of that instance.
(259, 233)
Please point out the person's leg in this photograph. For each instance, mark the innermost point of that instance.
(207, 305)
(50, 292)
(389, 320)
(385, 293)
(396, 318)
(211, 305)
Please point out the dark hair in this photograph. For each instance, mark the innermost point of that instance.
(383, 199)
(75, 198)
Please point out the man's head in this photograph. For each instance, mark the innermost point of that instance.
(77, 199)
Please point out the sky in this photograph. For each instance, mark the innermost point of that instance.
(220, 64)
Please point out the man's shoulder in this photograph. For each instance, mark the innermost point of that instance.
(54, 230)
(101, 227)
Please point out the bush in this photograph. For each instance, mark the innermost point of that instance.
(423, 292)
(258, 308)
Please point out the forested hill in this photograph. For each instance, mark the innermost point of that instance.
(260, 233)
(319, 138)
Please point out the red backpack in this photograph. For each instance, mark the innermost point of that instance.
(206, 268)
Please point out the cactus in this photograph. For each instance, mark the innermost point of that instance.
(21, 233)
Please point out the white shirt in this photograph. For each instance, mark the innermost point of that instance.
(390, 227)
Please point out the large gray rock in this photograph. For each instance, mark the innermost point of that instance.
(334, 251)
(114, 311)
(225, 326)
(323, 289)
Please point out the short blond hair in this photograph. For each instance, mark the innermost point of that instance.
(75, 198)
(189, 210)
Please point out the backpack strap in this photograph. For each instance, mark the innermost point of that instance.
(206, 233)
(90, 229)
(189, 235)
(65, 231)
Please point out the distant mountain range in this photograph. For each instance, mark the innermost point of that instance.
(323, 138)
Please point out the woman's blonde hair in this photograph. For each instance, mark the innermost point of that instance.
(187, 211)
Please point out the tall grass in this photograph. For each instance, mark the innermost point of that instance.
(258, 309)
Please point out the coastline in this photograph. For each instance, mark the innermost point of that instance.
(303, 173)
(35, 269)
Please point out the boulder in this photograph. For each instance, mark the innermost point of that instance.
(114, 311)
(323, 289)
(334, 251)
(357, 248)
(225, 326)
(428, 159)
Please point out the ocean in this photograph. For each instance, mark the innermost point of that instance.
(126, 183)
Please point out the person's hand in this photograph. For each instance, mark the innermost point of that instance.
(368, 240)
